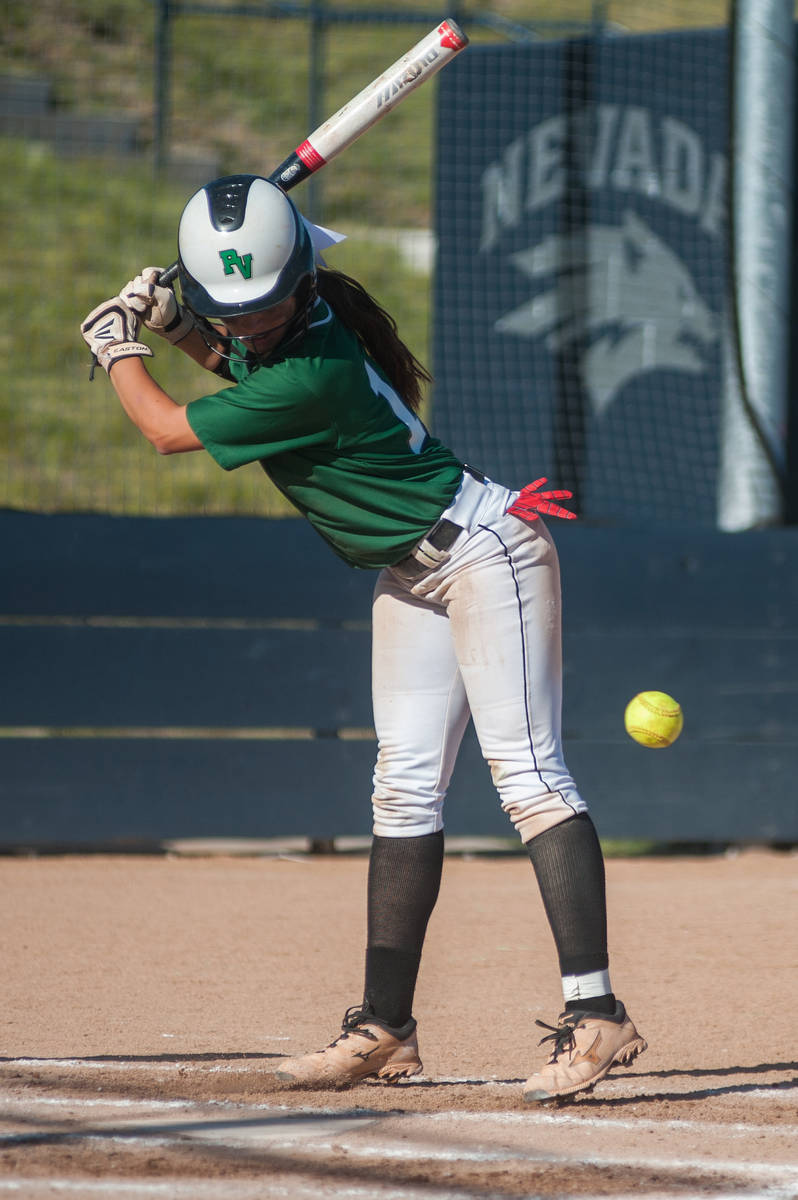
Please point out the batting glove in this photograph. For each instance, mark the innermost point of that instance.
(157, 306)
(110, 331)
(531, 503)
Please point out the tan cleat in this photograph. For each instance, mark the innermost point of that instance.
(365, 1048)
(586, 1046)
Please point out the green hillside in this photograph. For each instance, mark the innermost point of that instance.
(79, 227)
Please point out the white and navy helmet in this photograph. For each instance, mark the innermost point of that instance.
(243, 247)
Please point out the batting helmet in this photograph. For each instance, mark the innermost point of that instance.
(244, 248)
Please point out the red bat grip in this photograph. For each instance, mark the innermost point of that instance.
(369, 106)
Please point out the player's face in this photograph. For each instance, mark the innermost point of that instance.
(261, 331)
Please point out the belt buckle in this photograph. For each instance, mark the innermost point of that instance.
(430, 552)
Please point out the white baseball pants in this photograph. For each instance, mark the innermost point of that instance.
(478, 634)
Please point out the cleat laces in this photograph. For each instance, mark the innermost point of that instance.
(353, 1022)
(561, 1035)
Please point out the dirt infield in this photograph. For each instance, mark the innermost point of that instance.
(145, 1001)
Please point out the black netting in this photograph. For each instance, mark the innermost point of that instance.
(580, 307)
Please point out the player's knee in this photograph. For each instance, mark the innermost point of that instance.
(405, 815)
(531, 817)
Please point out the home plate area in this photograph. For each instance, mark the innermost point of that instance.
(147, 1003)
(95, 1128)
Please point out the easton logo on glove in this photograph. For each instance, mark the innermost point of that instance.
(107, 332)
(111, 332)
(110, 322)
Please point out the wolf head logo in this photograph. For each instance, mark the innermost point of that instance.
(620, 299)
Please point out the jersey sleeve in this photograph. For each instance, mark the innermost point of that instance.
(270, 412)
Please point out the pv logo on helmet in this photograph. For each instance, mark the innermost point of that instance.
(232, 260)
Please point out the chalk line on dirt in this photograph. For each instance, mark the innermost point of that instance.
(471, 1137)
(201, 1189)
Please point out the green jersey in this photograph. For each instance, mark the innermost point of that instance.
(336, 439)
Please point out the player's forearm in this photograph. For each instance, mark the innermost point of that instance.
(196, 347)
(151, 409)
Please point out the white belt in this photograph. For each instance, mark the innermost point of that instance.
(469, 498)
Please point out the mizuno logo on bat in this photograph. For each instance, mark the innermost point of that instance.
(232, 260)
(409, 75)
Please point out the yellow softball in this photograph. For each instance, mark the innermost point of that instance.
(653, 719)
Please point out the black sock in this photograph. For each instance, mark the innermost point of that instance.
(390, 984)
(569, 866)
(597, 1004)
(403, 884)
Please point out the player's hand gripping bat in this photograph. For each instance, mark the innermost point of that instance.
(377, 99)
(368, 107)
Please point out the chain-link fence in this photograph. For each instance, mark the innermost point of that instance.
(113, 113)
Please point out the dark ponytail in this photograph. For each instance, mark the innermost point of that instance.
(376, 330)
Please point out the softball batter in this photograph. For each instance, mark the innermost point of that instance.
(317, 387)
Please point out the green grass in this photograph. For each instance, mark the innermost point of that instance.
(77, 230)
(68, 446)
